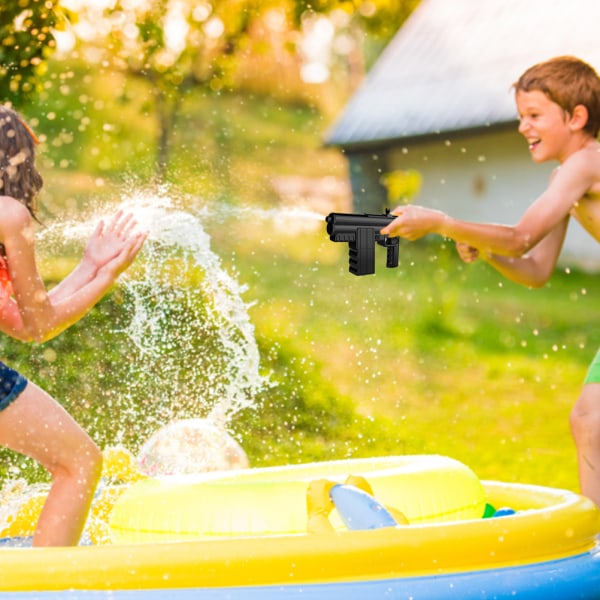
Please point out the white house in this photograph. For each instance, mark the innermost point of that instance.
(439, 100)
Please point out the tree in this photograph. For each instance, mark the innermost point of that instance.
(179, 45)
(26, 43)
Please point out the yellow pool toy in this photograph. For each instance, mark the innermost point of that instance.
(169, 539)
(272, 501)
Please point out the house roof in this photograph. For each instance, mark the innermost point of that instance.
(451, 66)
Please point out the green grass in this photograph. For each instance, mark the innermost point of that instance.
(456, 360)
(432, 357)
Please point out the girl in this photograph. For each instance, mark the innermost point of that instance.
(31, 422)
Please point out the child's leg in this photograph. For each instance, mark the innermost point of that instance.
(585, 426)
(37, 426)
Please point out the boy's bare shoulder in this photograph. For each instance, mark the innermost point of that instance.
(589, 159)
(587, 209)
(582, 168)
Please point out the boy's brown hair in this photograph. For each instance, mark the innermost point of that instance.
(19, 177)
(567, 81)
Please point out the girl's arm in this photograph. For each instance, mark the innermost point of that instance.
(37, 315)
(101, 247)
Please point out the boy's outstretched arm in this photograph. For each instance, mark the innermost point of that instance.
(568, 185)
(533, 269)
(413, 222)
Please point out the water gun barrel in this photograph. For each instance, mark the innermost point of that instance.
(341, 227)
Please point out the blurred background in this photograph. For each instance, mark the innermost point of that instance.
(210, 119)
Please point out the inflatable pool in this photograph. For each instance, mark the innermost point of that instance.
(243, 535)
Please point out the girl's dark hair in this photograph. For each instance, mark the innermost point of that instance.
(18, 176)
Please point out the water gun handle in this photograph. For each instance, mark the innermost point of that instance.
(393, 252)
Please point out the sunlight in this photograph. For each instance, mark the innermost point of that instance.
(315, 49)
(176, 28)
(76, 5)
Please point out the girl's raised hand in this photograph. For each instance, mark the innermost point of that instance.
(113, 238)
(126, 255)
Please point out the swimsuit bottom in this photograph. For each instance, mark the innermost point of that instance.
(11, 385)
(593, 374)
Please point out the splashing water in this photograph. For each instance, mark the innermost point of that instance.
(230, 368)
(191, 350)
(290, 219)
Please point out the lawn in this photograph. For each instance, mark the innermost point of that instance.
(432, 357)
(459, 361)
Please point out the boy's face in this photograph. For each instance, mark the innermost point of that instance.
(544, 124)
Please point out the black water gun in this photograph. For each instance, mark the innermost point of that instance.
(362, 233)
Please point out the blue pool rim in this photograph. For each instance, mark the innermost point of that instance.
(572, 578)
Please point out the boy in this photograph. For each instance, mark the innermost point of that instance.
(558, 102)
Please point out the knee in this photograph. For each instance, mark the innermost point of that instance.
(585, 416)
(85, 466)
(91, 462)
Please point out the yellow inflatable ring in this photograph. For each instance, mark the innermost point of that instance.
(272, 501)
(548, 548)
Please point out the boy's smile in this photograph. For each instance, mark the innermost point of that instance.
(544, 124)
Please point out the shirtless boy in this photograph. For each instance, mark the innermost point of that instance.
(558, 102)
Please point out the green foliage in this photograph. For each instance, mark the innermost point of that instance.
(383, 18)
(26, 42)
(225, 145)
(174, 47)
(432, 357)
(303, 418)
(199, 54)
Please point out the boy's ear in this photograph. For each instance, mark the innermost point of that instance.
(579, 117)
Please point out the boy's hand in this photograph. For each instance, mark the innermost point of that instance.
(413, 222)
(467, 253)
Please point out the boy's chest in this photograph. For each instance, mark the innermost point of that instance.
(587, 212)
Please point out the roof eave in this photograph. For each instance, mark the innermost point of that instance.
(385, 143)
